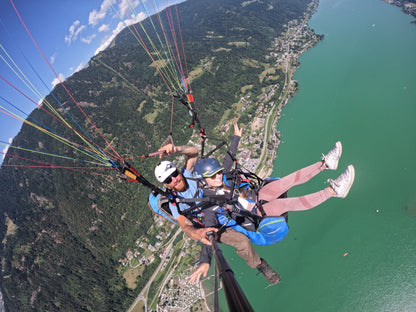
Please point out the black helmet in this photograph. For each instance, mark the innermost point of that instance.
(206, 168)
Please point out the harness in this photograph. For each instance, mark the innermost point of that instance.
(247, 182)
(194, 213)
(261, 230)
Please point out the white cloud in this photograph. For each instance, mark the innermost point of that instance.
(58, 81)
(107, 40)
(74, 30)
(138, 18)
(80, 66)
(127, 5)
(104, 28)
(6, 148)
(96, 16)
(120, 26)
(88, 39)
(53, 58)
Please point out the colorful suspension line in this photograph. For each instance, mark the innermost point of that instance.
(16, 70)
(174, 36)
(45, 165)
(46, 130)
(39, 125)
(168, 44)
(100, 158)
(99, 155)
(168, 66)
(103, 164)
(63, 85)
(27, 82)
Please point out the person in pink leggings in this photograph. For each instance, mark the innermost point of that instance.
(267, 197)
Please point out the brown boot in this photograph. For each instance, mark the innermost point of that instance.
(271, 276)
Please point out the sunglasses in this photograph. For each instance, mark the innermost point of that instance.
(168, 180)
(215, 174)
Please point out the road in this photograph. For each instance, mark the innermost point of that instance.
(143, 294)
(271, 120)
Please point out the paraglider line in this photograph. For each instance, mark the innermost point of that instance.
(59, 79)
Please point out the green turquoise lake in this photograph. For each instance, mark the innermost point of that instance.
(357, 86)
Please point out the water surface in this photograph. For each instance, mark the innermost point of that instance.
(357, 86)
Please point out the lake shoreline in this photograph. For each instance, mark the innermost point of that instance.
(289, 59)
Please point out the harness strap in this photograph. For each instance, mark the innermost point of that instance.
(204, 202)
(259, 206)
(231, 209)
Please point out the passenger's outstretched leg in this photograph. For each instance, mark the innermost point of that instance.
(276, 188)
(339, 188)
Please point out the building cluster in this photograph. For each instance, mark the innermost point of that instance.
(287, 49)
(136, 258)
(298, 38)
(179, 294)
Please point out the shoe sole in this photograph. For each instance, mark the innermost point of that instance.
(340, 153)
(351, 167)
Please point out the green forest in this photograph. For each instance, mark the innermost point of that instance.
(65, 230)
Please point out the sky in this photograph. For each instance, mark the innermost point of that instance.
(67, 33)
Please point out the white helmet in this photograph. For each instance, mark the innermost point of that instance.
(164, 170)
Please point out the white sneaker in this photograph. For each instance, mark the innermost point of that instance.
(331, 159)
(343, 183)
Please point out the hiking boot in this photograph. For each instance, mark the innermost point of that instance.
(343, 183)
(331, 159)
(271, 276)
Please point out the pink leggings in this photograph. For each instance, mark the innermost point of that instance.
(276, 206)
